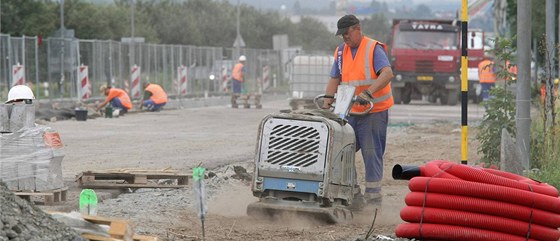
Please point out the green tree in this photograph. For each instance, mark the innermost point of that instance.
(28, 17)
(377, 27)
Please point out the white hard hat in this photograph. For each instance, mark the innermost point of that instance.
(20, 92)
(242, 58)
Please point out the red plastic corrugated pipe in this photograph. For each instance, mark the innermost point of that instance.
(459, 202)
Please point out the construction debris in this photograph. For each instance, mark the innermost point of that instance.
(21, 220)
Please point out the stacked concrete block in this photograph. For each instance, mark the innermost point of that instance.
(30, 155)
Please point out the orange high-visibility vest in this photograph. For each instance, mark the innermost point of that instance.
(158, 94)
(122, 95)
(486, 72)
(237, 72)
(358, 71)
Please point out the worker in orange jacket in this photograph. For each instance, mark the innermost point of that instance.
(363, 62)
(237, 79)
(543, 90)
(118, 98)
(154, 97)
(487, 77)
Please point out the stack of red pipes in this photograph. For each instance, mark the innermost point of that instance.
(450, 201)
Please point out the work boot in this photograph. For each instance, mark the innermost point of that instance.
(374, 199)
(358, 202)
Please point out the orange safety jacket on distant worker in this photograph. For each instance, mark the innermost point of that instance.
(486, 72)
(158, 94)
(122, 95)
(358, 71)
(237, 72)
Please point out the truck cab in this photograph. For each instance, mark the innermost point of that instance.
(426, 57)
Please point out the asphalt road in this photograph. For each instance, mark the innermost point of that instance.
(424, 112)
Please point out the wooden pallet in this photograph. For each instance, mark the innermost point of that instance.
(131, 178)
(245, 100)
(49, 197)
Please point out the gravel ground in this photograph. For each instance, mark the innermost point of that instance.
(23, 221)
(220, 138)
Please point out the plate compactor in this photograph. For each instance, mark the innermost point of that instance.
(304, 163)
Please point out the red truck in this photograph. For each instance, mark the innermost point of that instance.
(426, 60)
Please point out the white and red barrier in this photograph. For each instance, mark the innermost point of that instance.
(135, 81)
(18, 74)
(182, 79)
(83, 81)
(265, 77)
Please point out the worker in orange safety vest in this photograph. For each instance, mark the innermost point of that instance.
(154, 97)
(363, 63)
(237, 79)
(118, 98)
(486, 77)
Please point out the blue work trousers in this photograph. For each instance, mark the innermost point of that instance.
(485, 87)
(371, 136)
(236, 86)
(152, 106)
(117, 104)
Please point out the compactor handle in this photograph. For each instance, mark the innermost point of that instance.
(365, 112)
(353, 102)
(317, 98)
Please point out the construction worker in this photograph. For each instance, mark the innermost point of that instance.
(20, 94)
(512, 69)
(487, 77)
(154, 97)
(118, 98)
(362, 62)
(554, 90)
(237, 79)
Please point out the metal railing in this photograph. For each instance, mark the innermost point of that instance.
(51, 66)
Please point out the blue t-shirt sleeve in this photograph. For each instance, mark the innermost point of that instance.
(335, 72)
(380, 59)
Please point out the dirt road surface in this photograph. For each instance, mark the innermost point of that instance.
(219, 137)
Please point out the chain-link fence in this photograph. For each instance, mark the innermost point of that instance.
(51, 67)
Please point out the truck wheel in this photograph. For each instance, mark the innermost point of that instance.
(452, 97)
(406, 95)
(432, 98)
(397, 95)
(443, 98)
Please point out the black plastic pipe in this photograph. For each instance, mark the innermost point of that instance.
(405, 172)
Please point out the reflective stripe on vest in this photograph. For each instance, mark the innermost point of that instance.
(383, 96)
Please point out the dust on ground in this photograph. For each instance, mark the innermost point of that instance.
(220, 138)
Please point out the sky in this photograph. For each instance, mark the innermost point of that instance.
(318, 4)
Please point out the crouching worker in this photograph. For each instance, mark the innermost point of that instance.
(154, 97)
(118, 98)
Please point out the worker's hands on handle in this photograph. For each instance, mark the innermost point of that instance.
(327, 101)
(365, 97)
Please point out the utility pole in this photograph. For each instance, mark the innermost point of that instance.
(550, 52)
(239, 43)
(62, 33)
(132, 10)
(523, 98)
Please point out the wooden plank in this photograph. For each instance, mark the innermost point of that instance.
(120, 229)
(93, 237)
(50, 197)
(139, 237)
(128, 185)
(140, 179)
(156, 175)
